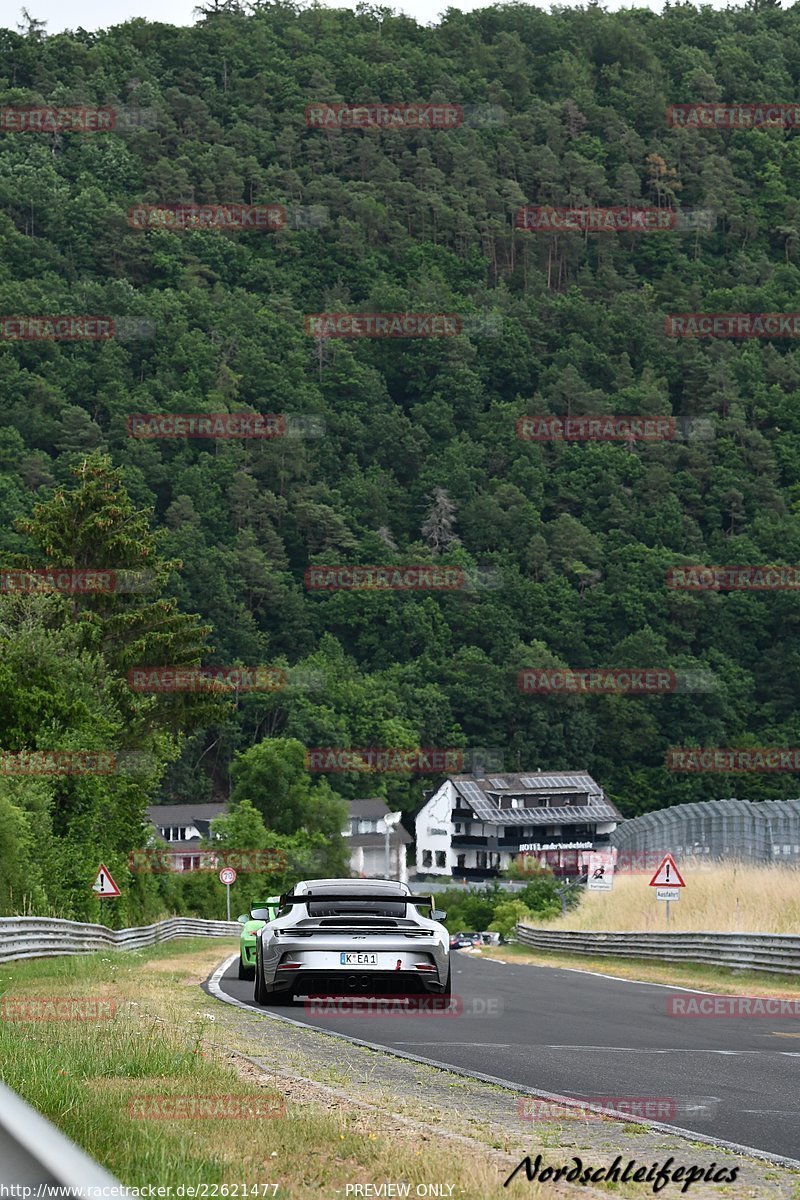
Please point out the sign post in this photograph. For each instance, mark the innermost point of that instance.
(227, 876)
(667, 881)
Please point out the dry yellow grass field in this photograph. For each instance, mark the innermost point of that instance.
(717, 898)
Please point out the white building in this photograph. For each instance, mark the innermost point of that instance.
(183, 825)
(366, 837)
(473, 827)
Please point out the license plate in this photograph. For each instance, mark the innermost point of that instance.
(353, 959)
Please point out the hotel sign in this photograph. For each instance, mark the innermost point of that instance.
(539, 846)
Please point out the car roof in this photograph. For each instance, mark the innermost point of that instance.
(370, 887)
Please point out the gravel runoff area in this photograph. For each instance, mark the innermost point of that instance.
(408, 1099)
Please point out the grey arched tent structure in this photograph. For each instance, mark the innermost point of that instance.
(754, 831)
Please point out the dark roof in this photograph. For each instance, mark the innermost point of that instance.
(374, 807)
(185, 814)
(483, 796)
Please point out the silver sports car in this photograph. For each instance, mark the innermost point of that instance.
(345, 937)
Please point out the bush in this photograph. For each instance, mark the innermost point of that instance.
(508, 915)
(470, 910)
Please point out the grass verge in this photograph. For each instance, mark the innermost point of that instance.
(701, 976)
(727, 897)
(108, 1083)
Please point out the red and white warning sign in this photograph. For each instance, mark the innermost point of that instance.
(104, 885)
(667, 874)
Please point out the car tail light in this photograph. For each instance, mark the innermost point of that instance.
(289, 966)
(425, 967)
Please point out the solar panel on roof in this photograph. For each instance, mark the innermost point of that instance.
(498, 783)
(527, 781)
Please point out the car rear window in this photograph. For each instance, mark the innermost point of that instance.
(343, 908)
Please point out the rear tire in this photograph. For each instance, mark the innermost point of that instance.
(280, 999)
(245, 972)
(448, 983)
(259, 992)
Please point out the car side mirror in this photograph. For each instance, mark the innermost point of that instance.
(259, 914)
(438, 914)
(243, 919)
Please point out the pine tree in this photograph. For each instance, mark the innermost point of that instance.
(95, 527)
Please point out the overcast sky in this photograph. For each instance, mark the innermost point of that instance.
(99, 14)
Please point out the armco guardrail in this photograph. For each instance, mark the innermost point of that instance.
(774, 952)
(32, 1151)
(34, 1154)
(45, 937)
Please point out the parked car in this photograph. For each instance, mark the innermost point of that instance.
(464, 941)
(251, 923)
(345, 937)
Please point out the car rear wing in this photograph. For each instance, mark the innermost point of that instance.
(353, 898)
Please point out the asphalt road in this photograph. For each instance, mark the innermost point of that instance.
(587, 1036)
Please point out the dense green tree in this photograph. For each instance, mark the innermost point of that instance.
(395, 451)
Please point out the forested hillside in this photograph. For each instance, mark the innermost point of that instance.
(412, 455)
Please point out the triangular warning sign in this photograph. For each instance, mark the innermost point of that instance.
(667, 874)
(104, 885)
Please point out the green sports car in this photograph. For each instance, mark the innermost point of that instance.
(259, 915)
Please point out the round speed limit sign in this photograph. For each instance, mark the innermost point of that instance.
(227, 875)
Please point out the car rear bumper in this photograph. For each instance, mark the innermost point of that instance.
(356, 983)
